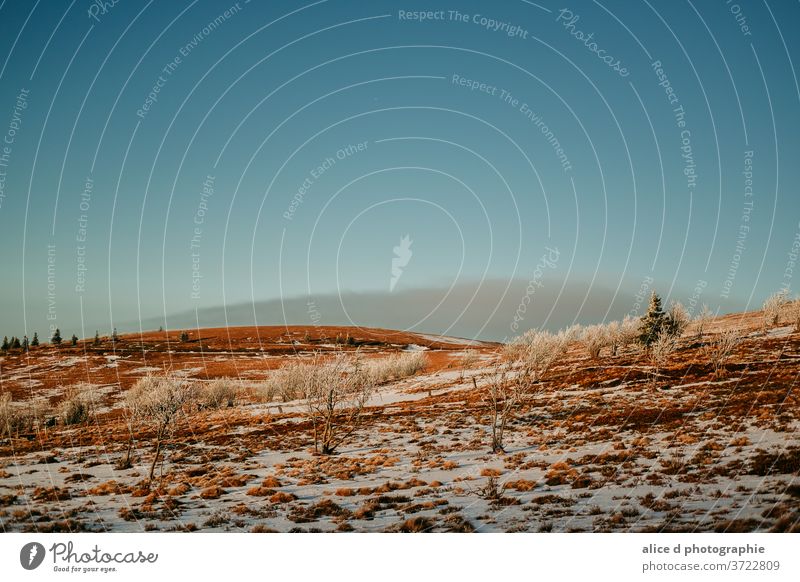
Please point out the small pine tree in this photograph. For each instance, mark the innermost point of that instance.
(5, 347)
(15, 343)
(114, 335)
(74, 340)
(25, 343)
(184, 337)
(160, 328)
(56, 339)
(97, 338)
(35, 340)
(655, 322)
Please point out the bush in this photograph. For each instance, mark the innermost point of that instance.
(773, 306)
(792, 311)
(396, 366)
(19, 418)
(660, 350)
(78, 404)
(678, 317)
(721, 349)
(158, 401)
(289, 381)
(702, 320)
(595, 338)
(536, 351)
(336, 393)
(218, 393)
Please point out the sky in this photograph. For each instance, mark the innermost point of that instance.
(465, 167)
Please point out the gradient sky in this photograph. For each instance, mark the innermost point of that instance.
(263, 97)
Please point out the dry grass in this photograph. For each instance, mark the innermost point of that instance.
(396, 366)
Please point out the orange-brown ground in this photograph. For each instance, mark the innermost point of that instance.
(599, 447)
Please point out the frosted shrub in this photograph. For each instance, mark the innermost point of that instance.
(158, 401)
(702, 319)
(679, 317)
(628, 332)
(396, 366)
(289, 382)
(721, 349)
(594, 339)
(20, 418)
(335, 397)
(660, 350)
(80, 402)
(773, 306)
(218, 393)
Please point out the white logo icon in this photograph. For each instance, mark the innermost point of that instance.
(402, 255)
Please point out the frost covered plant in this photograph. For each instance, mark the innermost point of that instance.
(720, 350)
(679, 318)
(536, 351)
(628, 332)
(506, 388)
(288, 382)
(158, 401)
(702, 319)
(336, 394)
(20, 418)
(595, 338)
(659, 352)
(396, 366)
(773, 307)
(218, 393)
(80, 402)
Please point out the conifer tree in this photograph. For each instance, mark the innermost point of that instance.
(97, 338)
(25, 343)
(184, 337)
(35, 340)
(655, 322)
(114, 335)
(5, 347)
(74, 340)
(15, 343)
(56, 339)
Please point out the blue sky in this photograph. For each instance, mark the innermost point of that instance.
(362, 107)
